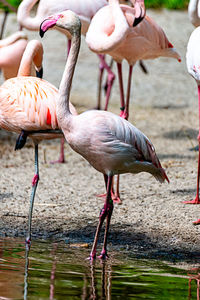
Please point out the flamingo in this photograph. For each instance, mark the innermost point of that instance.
(194, 12)
(193, 67)
(28, 107)
(11, 51)
(111, 32)
(108, 142)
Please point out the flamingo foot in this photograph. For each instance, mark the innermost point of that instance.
(92, 256)
(103, 255)
(115, 198)
(59, 161)
(196, 222)
(124, 114)
(194, 201)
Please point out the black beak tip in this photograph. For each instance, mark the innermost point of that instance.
(41, 32)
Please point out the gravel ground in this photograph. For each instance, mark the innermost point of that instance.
(152, 220)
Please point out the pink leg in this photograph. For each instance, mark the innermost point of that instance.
(34, 187)
(121, 89)
(101, 70)
(111, 78)
(196, 200)
(106, 212)
(61, 159)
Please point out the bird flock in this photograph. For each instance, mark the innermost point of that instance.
(32, 107)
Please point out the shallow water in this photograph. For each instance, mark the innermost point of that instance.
(57, 271)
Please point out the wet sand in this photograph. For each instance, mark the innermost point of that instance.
(152, 219)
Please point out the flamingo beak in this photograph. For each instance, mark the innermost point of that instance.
(139, 14)
(46, 24)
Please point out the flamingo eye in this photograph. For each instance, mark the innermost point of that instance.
(61, 16)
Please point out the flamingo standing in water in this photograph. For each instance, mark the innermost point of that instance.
(194, 12)
(108, 142)
(28, 107)
(111, 32)
(193, 66)
(11, 51)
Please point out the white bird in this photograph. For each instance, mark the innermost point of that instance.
(193, 66)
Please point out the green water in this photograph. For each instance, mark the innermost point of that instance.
(56, 271)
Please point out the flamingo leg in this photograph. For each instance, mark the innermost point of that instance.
(121, 89)
(101, 70)
(111, 78)
(34, 187)
(106, 83)
(106, 211)
(196, 200)
(61, 159)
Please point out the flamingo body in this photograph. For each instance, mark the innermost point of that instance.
(112, 145)
(145, 41)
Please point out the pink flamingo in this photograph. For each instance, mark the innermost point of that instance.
(193, 66)
(11, 51)
(108, 142)
(28, 107)
(111, 32)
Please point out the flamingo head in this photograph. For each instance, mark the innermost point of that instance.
(66, 20)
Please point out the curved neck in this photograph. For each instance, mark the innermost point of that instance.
(32, 54)
(23, 15)
(66, 82)
(106, 41)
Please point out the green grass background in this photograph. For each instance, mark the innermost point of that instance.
(170, 4)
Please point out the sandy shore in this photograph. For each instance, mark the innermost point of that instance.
(152, 219)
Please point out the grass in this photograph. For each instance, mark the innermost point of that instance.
(170, 4)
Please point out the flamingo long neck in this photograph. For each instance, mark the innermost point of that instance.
(65, 85)
(24, 18)
(106, 42)
(120, 24)
(32, 54)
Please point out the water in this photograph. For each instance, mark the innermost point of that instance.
(56, 271)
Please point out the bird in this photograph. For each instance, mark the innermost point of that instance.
(193, 67)
(28, 108)
(111, 144)
(111, 32)
(194, 12)
(11, 51)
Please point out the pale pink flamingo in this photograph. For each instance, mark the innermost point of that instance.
(193, 66)
(111, 32)
(108, 142)
(28, 107)
(11, 51)
(194, 12)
